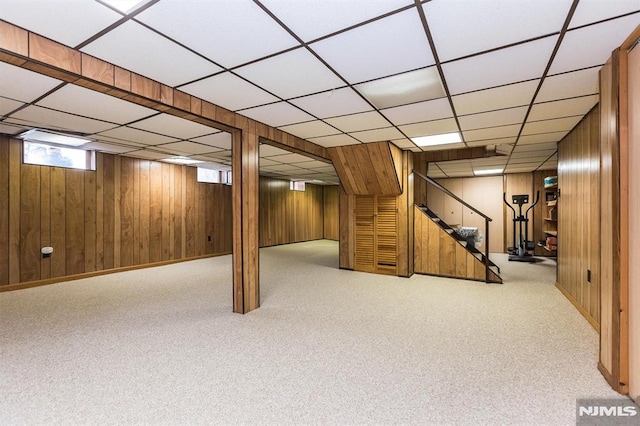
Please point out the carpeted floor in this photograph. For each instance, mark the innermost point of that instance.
(328, 346)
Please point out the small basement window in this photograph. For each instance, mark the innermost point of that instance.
(297, 185)
(43, 154)
(208, 175)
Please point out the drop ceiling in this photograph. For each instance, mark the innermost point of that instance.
(518, 75)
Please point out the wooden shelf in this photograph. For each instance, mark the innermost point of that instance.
(550, 220)
(547, 248)
(552, 233)
(552, 203)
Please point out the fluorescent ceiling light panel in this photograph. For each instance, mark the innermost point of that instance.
(415, 86)
(124, 6)
(488, 172)
(443, 139)
(36, 135)
(182, 160)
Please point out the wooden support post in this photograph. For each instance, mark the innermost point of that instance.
(246, 281)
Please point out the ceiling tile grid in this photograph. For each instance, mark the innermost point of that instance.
(335, 73)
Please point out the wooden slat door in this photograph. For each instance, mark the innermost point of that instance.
(376, 234)
(365, 252)
(386, 235)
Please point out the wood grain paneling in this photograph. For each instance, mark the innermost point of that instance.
(579, 216)
(331, 213)
(288, 216)
(438, 253)
(368, 169)
(75, 212)
(633, 105)
(347, 229)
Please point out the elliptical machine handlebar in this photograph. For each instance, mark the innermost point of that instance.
(532, 205)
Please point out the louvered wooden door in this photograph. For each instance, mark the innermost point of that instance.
(376, 247)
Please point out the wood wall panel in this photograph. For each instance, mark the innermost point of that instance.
(368, 169)
(331, 213)
(78, 212)
(288, 216)
(579, 216)
(633, 106)
(437, 253)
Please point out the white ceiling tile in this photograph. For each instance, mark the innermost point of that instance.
(211, 27)
(89, 103)
(510, 65)
(68, 21)
(268, 150)
(402, 89)
(172, 126)
(492, 133)
(282, 168)
(335, 140)
(404, 143)
(290, 158)
(310, 129)
(11, 129)
(136, 136)
(311, 19)
(377, 135)
(333, 103)
(229, 91)
(494, 118)
(187, 148)
(110, 148)
(541, 138)
(218, 140)
(134, 47)
(512, 95)
(535, 147)
(381, 48)
(9, 105)
(589, 46)
(569, 85)
(436, 127)
(499, 22)
(313, 164)
(422, 111)
(43, 117)
(291, 74)
(267, 162)
(493, 141)
(548, 126)
(356, 122)
(589, 11)
(277, 115)
(540, 155)
(563, 108)
(24, 85)
(147, 154)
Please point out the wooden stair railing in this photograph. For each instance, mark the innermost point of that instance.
(483, 257)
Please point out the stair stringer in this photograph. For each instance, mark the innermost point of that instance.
(437, 252)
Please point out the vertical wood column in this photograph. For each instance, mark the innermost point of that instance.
(246, 282)
(420, 165)
(346, 206)
(405, 217)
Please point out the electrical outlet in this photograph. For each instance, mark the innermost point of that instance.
(209, 238)
(588, 275)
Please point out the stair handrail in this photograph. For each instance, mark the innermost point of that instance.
(486, 218)
(452, 195)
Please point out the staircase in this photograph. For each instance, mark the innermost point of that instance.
(481, 261)
(440, 250)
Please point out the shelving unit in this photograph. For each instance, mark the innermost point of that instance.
(550, 221)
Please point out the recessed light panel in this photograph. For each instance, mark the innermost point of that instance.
(36, 135)
(415, 86)
(486, 172)
(443, 139)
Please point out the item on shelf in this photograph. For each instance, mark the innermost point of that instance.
(550, 181)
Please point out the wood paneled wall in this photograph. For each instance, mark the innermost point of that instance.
(369, 169)
(128, 212)
(288, 216)
(579, 216)
(633, 105)
(438, 253)
(331, 212)
(484, 193)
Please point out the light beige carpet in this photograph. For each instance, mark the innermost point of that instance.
(328, 346)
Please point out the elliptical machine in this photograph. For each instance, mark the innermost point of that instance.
(520, 252)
